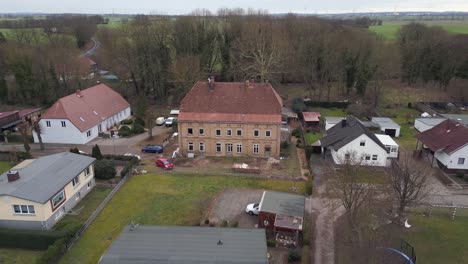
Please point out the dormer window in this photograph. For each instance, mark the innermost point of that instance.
(362, 143)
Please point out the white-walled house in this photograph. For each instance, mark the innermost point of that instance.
(79, 118)
(350, 141)
(448, 142)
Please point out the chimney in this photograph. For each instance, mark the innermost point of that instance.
(343, 122)
(211, 84)
(12, 176)
(78, 93)
(220, 243)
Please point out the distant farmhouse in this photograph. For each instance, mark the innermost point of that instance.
(230, 119)
(79, 118)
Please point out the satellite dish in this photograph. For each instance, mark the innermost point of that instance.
(406, 224)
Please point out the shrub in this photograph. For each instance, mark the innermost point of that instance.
(410, 105)
(126, 122)
(104, 169)
(137, 128)
(309, 186)
(299, 141)
(21, 155)
(75, 150)
(224, 223)
(296, 133)
(124, 131)
(235, 224)
(284, 145)
(271, 243)
(294, 256)
(54, 252)
(139, 121)
(96, 152)
(207, 221)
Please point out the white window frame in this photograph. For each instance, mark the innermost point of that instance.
(228, 132)
(201, 146)
(256, 148)
(87, 172)
(461, 161)
(191, 146)
(48, 124)
(256, 131)
(64, 123)
(29, 209)
(55, 205)
(239, 148)
(229, 147)
(267, 133)
(76, 181)
(219, 147)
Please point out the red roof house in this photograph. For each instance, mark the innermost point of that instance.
(311, 119)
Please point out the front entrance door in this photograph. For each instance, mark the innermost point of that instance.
(267, 151)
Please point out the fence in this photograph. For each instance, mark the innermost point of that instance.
(99, 209)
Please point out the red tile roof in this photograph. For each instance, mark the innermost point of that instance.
(232, 102)
(95, 105)
(24, 112)
(311, 116)
(447, 136)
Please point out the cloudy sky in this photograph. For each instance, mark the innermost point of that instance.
(185, 6)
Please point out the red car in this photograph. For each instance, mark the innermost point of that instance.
(164, 163)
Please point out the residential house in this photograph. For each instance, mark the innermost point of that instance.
(448, 144)
(37, 193)
(187, 244)
(80, 117)
(311, 119)
(387, 125)
(351, 141)
(425, 123)
(230, 119)
(288, 115)
(282, 213)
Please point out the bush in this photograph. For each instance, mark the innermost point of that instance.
(296, 133)
(410, 105)
(207, 221)
(294, 256)
(309, 186)
(284, 145)
(54, 252)
(126, 122)
(75, 150)
(299, 141)
(224, 223)
(96, 152)
(21, 155)
(14, 138)
(104, 169)
(139, 121)
(28, 239)
(271, 243)
(235, 224)
(124, 131)
(137, 129)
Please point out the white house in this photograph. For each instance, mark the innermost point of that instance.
(387, 125)
(350, 141)
(79, 118)
(424, 123)
(448, 144)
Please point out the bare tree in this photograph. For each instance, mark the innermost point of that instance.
(36, 127)
(409, 182)
(23, 128)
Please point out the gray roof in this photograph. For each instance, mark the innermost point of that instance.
(339, 136)
(333, 120)
(45, 176)
(282, 203)
(385, 122)
(187, 244)
(463, 119)
(431, 121)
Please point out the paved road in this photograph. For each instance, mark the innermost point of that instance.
(91, 51)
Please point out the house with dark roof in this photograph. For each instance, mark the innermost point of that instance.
(187, 245)
(447, 142)
(37, 193)
(230, 119)
(350, 141)
(80, 117)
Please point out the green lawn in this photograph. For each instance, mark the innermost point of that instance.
(158, 200)
(389, 29)
(335, 112)
(4, 166)
(438, 239)
(310, 138)
(18, 256)
(407, 138)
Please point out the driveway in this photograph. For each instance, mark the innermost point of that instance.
(230, 206)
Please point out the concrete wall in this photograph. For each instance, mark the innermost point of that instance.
(359, 153)
(210, 139)
(451, 161)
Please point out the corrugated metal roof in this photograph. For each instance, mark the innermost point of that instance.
(282, 203)
(45, 176)
(187, 244)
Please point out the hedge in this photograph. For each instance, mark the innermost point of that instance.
(104, 169)
(28, 239)
(343, 105)
(126, 122)
(14, 138)
(137, 129)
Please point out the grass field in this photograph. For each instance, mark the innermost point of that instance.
(438, 239)
(158, 200)
(18, 256)
(389, 29)
(310, 138)
(4, 166)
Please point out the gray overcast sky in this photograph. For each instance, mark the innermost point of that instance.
(185, 6)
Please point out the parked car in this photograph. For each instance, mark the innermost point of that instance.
(170, 121)
(252, 209)
(132, 155)
(152, 149)
(160, 121)
(164, 163)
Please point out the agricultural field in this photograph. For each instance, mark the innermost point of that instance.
(389, 29)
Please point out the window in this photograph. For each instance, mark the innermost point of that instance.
(47, 123)
(367, 157)
(229, 147)
(64, 124)
(76, 181)
(256, 133)
(190, 131)
(99, 128)
(239, 148)
(23, 209)
(87, 172)
(78, 196)
(218, 132)
(201, 131)
(218, 147)
(239, 132)
(89, 185)
(268, 133)
(362, 143)
(229, 132)
(394, 150)
(202, 147)
(190, 146)
(58, 199)
(88, 134)
(255, 148)
(347, 156)
(461, 161)
(374, 157)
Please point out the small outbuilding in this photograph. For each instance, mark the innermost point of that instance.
(311, 119)
(425, 123)
(332, 121)
(387, 125)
